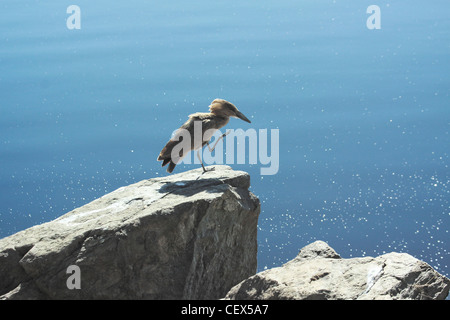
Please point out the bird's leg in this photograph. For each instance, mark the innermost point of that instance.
(218, 139)
(198, 156)
(211, 149)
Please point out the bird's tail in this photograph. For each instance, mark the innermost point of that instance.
(166, 155)
(171, 167)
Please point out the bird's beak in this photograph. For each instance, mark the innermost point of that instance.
(241, 116)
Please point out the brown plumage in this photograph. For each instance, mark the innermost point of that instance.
(219, 115)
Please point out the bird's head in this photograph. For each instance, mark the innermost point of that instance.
(224, 108)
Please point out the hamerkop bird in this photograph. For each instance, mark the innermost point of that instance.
(219, 115)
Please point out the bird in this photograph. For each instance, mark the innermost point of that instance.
(218, 116)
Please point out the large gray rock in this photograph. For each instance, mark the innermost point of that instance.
(184, 236)
(318, 272)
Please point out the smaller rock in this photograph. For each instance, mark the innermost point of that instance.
(319, 273)
(317, 249)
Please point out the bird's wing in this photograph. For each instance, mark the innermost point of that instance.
(210, 123)
(200, 116)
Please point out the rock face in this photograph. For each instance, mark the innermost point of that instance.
(184, 236)
(190, 236)
(318, 272)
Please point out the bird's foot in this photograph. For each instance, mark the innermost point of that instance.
(210, 169)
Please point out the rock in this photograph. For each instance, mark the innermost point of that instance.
(318, 272)
(184, 236)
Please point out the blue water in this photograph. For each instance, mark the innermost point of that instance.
(363, 115)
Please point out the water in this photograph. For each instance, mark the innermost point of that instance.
(363, 114)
